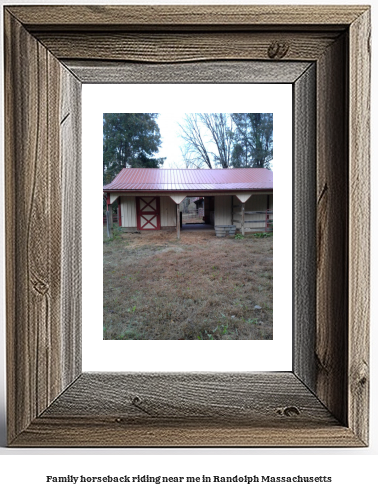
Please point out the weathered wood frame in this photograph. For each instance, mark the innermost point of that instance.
(49, 52)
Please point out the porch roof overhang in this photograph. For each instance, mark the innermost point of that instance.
(242, 182)
(144, 192)
(114, 195)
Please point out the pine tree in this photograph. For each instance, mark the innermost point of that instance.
(253, 146)
(130, 140)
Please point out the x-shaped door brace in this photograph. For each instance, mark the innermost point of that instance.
(148, 221)
(148, 204)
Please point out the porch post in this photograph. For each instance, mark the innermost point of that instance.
(243, 219)
(177, 198)
(109, 217)
(178, 220)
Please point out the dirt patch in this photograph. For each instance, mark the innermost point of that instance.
(192, 220)
(200, 287)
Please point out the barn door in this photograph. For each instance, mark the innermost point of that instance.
(148, 212)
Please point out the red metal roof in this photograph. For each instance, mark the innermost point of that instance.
(155, 179)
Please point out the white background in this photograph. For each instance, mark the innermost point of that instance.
(354, 470)
(188, 355)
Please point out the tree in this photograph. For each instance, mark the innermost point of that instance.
(253, 140)
(195, 152)
(223, 140)
(221, 129)
(208, 140)
(130, 140)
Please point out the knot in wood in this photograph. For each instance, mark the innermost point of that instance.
(41, 287)
(136, 400)
(288, 411)
(140, 404)
(278, 50)
(363, 381)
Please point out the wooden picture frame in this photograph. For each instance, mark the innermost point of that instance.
(324, 51)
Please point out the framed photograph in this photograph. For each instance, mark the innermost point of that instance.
(323, 52)
(162, 285)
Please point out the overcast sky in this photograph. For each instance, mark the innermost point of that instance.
(171, 140)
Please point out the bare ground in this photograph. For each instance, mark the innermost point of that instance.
(199, 288)
(194, 219)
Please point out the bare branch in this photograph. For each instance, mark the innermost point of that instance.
(193, 137)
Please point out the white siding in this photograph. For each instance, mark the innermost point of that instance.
(256, 203)
(222, 210)
(167, 211)
(128, 211)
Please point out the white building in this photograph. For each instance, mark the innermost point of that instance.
(148, 199)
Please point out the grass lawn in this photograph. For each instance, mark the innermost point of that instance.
(199, 288)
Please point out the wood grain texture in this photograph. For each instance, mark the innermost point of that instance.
(359, 226)
(225, 16)
(304, 228)
(193, 409)
(181, 47)
(100, 432)
(70, 161)
(203, 72)
(332, 230)
(255, 398)
(34, 237)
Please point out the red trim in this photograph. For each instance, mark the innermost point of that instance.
(148, 204)
(148, 215)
